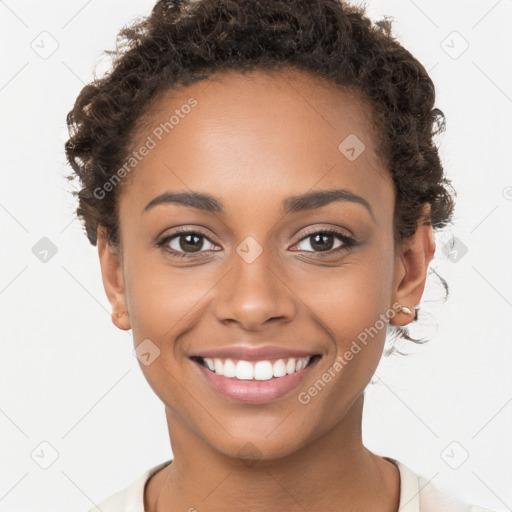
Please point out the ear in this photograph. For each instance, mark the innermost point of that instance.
(411, 266)
(113, 280)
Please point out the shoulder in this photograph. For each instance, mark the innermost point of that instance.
(130, 499)
(433, 499)
(417, 494)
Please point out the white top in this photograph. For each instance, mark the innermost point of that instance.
(416, 495)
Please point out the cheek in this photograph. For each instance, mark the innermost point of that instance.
(346, 299)
(162, 298)
(351, 304)
(164, 303)
(349, 300)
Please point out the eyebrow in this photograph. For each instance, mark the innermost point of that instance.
(292, 204)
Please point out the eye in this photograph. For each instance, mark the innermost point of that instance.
(185, 243)
(322, 241)
(188, 244)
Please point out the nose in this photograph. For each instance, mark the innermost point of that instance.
(254, 293)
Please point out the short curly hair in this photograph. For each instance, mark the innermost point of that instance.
(185, 41)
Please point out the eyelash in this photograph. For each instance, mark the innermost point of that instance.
(348, 242)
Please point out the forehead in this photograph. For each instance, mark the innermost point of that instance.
(258, 135)
(281, 96)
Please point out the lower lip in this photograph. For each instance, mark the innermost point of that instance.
(255, 391)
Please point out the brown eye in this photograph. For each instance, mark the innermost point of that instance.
(185, 243)
(325, 240)
(193, 242)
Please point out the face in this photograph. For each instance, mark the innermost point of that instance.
(263, 257)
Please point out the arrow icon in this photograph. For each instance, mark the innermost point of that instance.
(146, 352)
(44, 455)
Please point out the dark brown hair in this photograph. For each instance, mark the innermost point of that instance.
(184, 41)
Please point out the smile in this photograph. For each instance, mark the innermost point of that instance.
(257, 381)
(255, 370)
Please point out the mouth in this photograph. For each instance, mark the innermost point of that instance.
(257, 381)
(261, 370)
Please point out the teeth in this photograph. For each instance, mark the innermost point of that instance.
(290, 366)
(229, 368)
(260, 370)
(279, 368)
(244, 370)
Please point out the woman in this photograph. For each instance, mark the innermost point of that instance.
(261, 181)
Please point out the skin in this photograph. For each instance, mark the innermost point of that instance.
(252, 141)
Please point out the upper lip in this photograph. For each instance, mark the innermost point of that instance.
(248, 353)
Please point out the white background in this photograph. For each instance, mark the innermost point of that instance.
(68, 376)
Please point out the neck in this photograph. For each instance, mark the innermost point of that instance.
(334, 468)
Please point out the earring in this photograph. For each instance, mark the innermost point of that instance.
(407, 311)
